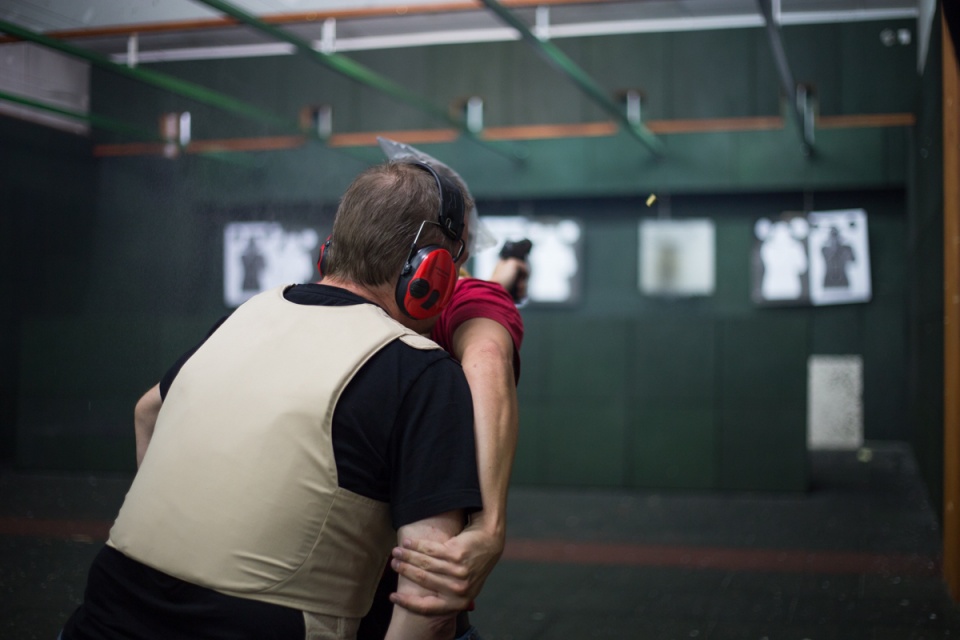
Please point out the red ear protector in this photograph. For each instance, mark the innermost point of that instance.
(430, 273)
(426, 282)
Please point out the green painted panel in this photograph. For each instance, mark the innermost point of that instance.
(884, 395)
(88, 357)
(141, 105)
(534, 351)
(10, 318)
(45, 244)
(456, 75)
(763, 449)
(412, 68)
(928, 271)
(611, 165)
(734, 245)
(708, 156)
(924, 290)
(535, 92)
(837, 330)
(891, 90)
(535, 429)
(850, 68)
(841, 157)
(721, 162)
(519, 87)
(767, 95)
(637, 62)
(585, 443)
(673, 363)
(763, 362)
(887, 255)
(273, 83)
(703, 84)
(611, 281)
(72, 452)
(674, 448)
(587, 359)
(814, 55)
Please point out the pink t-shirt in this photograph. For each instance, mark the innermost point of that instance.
(475, 298)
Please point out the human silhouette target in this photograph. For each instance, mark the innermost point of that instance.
(839, 257)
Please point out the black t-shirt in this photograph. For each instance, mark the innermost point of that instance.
(421, 388)
(393, 440)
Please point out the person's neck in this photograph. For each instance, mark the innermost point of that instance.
(382, 295)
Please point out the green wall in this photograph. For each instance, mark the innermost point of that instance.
(47, 204)
(924, 273)
(627, 390)
(620, 390)
(698, 74)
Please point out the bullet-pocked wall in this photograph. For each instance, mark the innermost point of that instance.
(616, 391)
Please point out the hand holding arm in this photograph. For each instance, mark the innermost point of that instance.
(405, 624)
(458, 567)
(145, 419)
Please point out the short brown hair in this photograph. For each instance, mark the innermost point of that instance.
(378, 218)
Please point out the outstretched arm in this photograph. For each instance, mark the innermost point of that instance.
(145, 419)
(458, 567)
(486, 353)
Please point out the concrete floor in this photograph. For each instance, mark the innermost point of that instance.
(857, 557)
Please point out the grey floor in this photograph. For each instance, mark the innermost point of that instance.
(856, 557)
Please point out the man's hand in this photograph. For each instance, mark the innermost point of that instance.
(455, 569)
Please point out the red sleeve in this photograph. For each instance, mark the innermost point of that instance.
(475, 298)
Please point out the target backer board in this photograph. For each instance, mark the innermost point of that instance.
(261, 255)
(555, 259)
(818, 258)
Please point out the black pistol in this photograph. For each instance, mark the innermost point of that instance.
(519, 250)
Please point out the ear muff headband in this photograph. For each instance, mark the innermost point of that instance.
(429, 274)
(451, 214)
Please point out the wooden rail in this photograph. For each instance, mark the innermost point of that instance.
(520, 132)
(867, 120)
(369, 139)
(761, 123)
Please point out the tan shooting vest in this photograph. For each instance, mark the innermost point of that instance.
(238, 491)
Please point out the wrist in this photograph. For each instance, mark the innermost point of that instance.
(490, 523)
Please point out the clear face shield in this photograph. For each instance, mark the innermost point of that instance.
(479, 236)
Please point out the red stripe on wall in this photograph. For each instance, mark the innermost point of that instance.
(773, 560)
(596, 553)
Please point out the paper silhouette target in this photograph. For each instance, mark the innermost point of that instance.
(819, 258)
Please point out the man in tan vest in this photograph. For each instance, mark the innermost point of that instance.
(283, 458)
